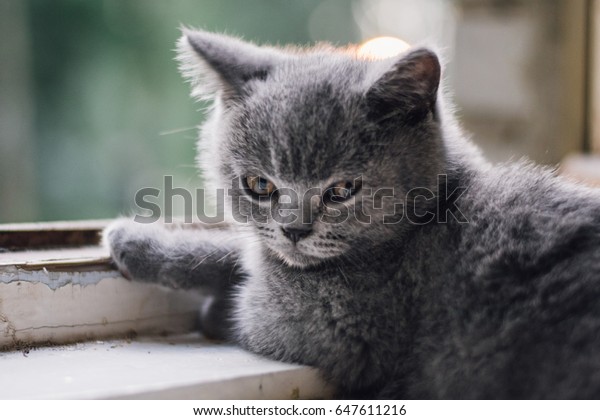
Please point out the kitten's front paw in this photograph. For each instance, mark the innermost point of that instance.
(134, 248)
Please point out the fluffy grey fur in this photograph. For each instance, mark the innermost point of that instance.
(488, 288)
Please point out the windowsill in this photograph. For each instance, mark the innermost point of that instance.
(52, 297)
(178, 367)
(66, 295)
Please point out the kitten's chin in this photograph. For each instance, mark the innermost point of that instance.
(298, 259)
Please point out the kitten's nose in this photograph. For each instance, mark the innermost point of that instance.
(295, 233)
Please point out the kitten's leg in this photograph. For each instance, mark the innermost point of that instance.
(181, 258)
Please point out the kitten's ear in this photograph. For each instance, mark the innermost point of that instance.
(218, 63)
(407, 91)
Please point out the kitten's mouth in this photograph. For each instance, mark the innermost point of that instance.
(294, 256)
(300, 260)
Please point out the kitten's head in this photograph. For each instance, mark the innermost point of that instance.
(316, 146)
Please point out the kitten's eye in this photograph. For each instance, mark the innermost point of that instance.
(342, 191)
(259, 186)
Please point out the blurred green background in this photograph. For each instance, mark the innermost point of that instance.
(104, 109)
(92, 107)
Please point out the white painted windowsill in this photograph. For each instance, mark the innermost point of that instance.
(177, 367)
(52, 299)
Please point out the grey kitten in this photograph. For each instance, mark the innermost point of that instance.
(379, 246)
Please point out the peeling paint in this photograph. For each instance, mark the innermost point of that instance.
(56, 279)
(7, 328)
(89, 305)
